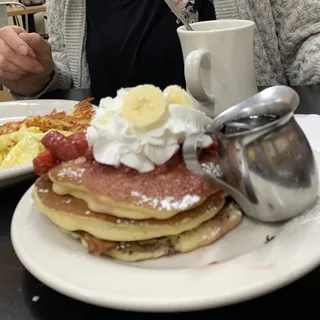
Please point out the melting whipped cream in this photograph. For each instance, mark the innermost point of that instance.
(115, 141)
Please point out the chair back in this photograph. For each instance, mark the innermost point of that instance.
(4, 14)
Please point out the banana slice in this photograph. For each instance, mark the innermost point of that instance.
(144, 107)
(177, 95)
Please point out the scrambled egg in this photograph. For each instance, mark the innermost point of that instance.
(21, 146)
(20, 141)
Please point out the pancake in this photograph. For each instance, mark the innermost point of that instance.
(208, 232)
(126, 193)
(73, 214)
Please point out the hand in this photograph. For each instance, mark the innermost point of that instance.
(26, 63)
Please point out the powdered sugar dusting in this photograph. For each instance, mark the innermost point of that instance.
(211, 234)
(71, 173)
(167, 203)
(43, 190)
(210, 208)
(235, 215)
(123, 245)
(212, 169)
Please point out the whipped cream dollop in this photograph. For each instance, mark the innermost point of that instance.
(115, 140)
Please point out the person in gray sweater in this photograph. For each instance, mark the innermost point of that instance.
(105, 45)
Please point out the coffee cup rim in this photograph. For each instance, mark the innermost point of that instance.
(243, 24)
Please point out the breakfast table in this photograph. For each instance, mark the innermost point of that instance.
(22, 297)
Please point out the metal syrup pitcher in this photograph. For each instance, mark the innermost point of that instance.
(265, 161)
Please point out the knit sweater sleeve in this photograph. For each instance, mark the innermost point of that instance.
(298, 29)
(61, 76)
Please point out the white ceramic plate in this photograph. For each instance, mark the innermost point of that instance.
(247, 267)
(18, 110)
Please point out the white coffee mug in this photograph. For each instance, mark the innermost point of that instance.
(219, 66)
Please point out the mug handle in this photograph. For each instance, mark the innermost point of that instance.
(192, 71)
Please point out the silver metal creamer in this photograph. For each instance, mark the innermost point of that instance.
(265, 159)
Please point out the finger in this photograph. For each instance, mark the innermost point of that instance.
(10, 35)
(8, 76)
(8, 66)
(24, 62)
(36, 43)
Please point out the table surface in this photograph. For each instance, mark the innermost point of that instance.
(18, 287)
(18, 11)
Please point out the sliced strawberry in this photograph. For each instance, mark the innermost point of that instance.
(62, 148)
(88, 154)
(44, 162)
(79, 140)
(51, 138)
(214, 145)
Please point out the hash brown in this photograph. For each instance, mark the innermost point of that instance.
(77, 121)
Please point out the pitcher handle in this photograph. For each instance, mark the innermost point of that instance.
(194, 61)
(190, 155)
(191, 159)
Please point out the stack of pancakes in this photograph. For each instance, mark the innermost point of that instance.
(133, 216)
